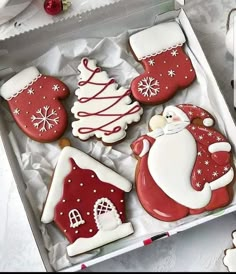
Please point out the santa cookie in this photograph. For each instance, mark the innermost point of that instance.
(183, 167)
(230, 256)
(34, 101)
(168, 69)
(86, 201)
(102, 110)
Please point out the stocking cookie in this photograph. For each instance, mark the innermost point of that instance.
(102, 110)
(86, 201)
(230, 256)
(168, 69)
(184, 166)
(34, 101)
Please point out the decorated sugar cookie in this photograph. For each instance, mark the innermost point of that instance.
(168, 69)
(102, 110)
(34, 101)
(230, 256)
(86, 201)
(184, 165)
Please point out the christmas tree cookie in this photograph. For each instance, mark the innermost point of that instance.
(86, 201)
(185, 165)
(103, 110)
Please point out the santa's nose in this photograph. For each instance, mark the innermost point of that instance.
(157, 121)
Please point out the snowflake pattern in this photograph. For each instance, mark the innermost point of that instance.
(16, 111)
(149, 87)
(56, 87)
(171, 73)
(174, 52)
(30, 91)
(206, 169)
(151, 62)
(45, 119)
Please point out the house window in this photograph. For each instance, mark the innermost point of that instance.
(75, 218)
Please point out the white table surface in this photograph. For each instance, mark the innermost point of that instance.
(198, 249)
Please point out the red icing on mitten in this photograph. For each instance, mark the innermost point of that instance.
(167, 67)
(34, 101)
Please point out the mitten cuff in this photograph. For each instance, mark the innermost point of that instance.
(157, 39)
(19, 83)
(222, 146)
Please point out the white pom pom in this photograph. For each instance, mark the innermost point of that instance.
(208, 122)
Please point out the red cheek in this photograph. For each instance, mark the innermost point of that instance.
(176, 119)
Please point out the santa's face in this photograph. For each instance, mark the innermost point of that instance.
(168, 123)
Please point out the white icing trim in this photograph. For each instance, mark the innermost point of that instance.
(146, 147)
(171, 159)
(20, 82)
(234, 238)
(208, 122)
(223, 181)
(63, 168)
(157, 39)
(222, 146)
(82, 245)
(230, 259)
(179, 112)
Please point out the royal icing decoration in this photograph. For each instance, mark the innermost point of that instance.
(167, 67)
(86, 201)
(102, 110)
(34, 100)
(230, 256)
(184, 168)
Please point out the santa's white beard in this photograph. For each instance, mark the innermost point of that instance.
(171, 160)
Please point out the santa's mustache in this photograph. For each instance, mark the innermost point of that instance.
(169, 129)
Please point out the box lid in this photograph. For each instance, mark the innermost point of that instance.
(34, 16)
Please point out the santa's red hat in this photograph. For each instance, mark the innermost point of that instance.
(189, 112)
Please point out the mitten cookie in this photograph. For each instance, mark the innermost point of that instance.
(184, 166)
(34, 101)
(160, 49)
(102, 109)
(86, 201)
(230, 256)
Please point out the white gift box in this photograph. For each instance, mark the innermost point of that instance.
(87, 34)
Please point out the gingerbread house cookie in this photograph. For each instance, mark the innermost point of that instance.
(86, 201)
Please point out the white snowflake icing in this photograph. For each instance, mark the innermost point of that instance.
(193, 128)
(198, 184)
(45, 119)
(200, 137)
(218, 139)
(226, 168)
(207, 163)
(190, 113)
(149, 87)
(210, 134)
(199, 153)
(174, 52)
(151, 62)
(203, 114)
(171, 73)
(56, 87)
(16, 111)
(199, 171)
(215, 174)
(30, 91)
